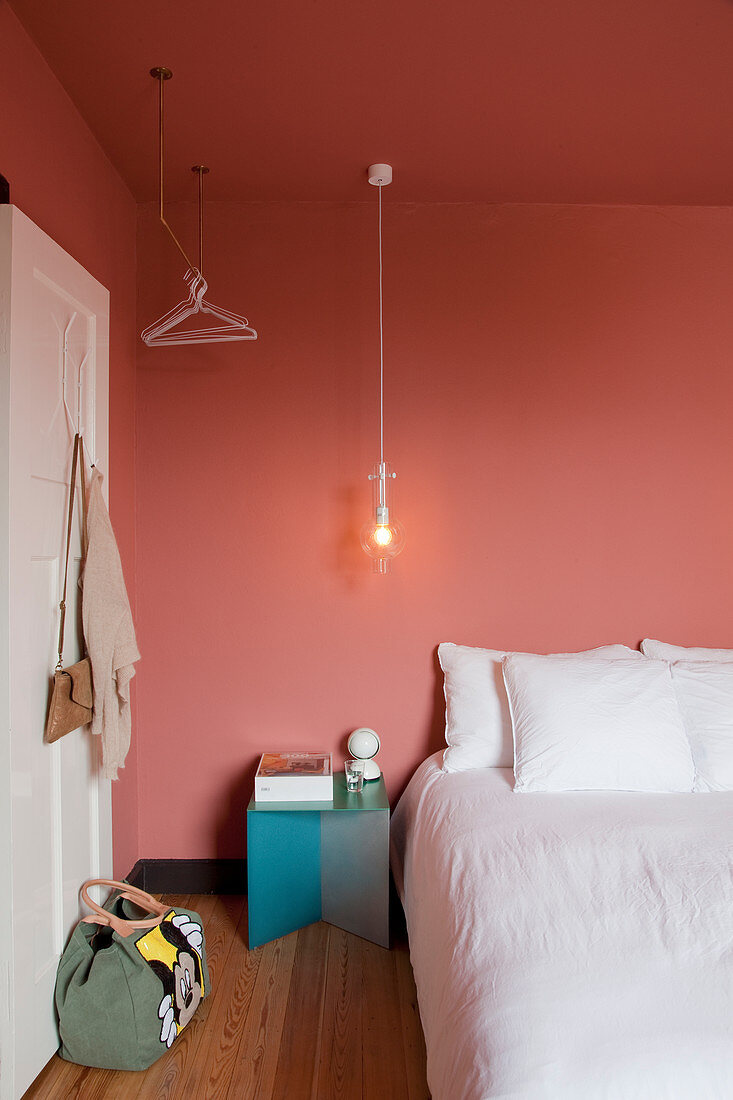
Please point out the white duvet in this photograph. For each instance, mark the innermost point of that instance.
(573, 946)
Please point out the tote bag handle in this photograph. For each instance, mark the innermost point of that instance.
(120, 925)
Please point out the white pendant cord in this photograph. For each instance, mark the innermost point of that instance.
(381, 342)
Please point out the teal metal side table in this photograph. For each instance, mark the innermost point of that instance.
(309, 861)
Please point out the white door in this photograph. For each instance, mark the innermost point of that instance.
(55, 825)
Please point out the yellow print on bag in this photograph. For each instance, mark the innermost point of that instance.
(173, 951)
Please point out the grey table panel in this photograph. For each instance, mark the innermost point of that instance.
(355, 873)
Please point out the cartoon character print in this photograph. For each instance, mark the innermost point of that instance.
(173, 952)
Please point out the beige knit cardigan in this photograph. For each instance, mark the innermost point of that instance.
(109, 634)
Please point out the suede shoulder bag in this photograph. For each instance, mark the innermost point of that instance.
(71, 695)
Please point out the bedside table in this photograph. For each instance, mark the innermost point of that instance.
(310, 861)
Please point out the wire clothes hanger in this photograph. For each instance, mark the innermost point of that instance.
(165, 332)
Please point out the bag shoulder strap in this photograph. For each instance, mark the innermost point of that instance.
(77, 459)
(131, 893)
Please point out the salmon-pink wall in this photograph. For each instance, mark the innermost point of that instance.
(62, 180)
(559, 402)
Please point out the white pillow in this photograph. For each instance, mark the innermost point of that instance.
(704, 692)
(590, 725)
(478, 729)
(666, 652)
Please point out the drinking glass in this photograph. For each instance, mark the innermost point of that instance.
(354, 775)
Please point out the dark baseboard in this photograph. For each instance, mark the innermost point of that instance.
(190, 876)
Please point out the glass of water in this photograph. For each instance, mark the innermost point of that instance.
(354, 775)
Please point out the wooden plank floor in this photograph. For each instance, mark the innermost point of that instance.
(317, 1015)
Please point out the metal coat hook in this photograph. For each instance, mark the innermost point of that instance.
(75, 422)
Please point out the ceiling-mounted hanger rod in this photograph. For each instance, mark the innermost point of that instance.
(202, 171)
(161, 74)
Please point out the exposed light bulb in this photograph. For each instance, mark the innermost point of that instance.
(383, 536)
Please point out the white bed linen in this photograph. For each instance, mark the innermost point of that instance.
(574, 946)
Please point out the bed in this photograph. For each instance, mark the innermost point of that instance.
(568, 945)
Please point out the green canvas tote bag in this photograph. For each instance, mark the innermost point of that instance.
(130, 979)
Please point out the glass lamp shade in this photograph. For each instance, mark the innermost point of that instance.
(382, 537)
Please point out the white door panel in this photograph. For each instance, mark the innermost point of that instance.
(56, 826)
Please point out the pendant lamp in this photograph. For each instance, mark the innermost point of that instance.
(382, 537)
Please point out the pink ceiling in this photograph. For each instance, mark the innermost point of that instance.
(625, 101)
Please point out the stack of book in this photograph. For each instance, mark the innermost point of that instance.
(294, 777)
